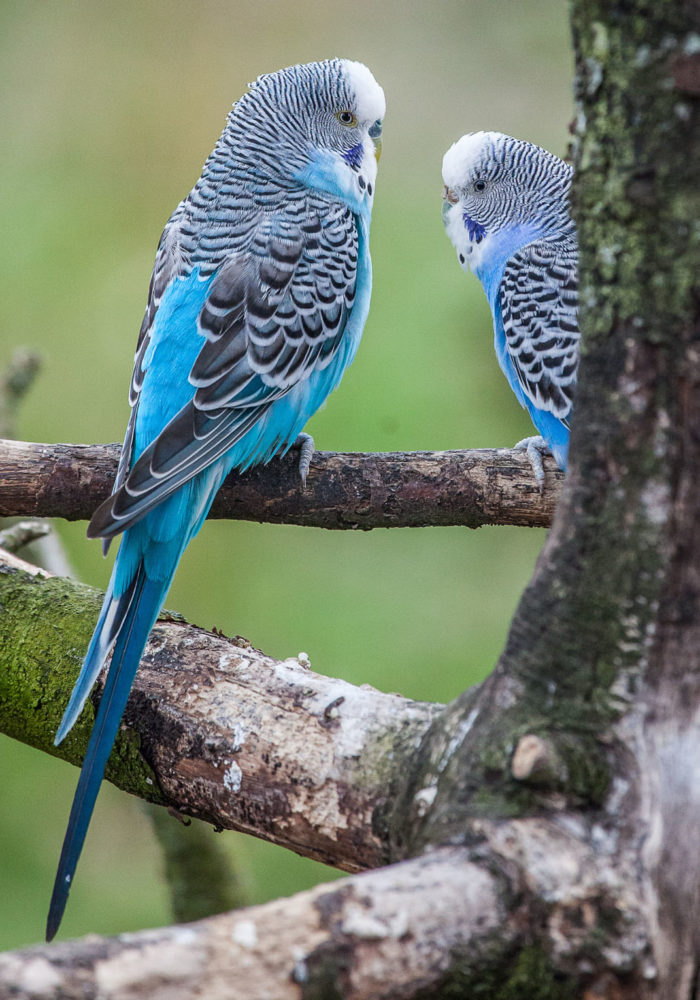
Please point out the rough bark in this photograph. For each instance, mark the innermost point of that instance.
(396, 933)
(214, 728)
(600, 674)
(406, 489)
(220, 731)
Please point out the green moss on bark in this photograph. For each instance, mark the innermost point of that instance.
(528, 974)
(45, 627)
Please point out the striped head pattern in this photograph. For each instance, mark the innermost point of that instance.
(317, 124)
(495, 183)
(308, 130)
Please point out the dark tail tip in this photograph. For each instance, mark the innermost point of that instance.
(57, 907)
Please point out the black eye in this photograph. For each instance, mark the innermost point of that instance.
(479, 185)
(346, 118)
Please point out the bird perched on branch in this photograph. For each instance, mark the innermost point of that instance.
(506, 210)
(258, 298)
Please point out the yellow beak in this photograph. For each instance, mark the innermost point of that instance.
(377, 147)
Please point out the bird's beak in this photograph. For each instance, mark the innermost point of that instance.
(449, 199)
(375, 134)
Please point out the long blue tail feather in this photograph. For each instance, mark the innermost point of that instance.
(111, 619)
(139, 614)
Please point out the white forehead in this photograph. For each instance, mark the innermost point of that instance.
(466, 154)
(369, 96)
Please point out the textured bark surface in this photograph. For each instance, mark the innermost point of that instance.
(639, 206)
(593, 711)
(214, 728)
(394, 934)
(405, 489)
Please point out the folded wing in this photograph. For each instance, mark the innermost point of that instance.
(276, 312)
(539, 304)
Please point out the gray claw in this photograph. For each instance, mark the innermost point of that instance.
(305, 444)
(535, 448)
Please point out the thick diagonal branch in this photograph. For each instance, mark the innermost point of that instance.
(457, 922)
(214, 728)
(393, 933)
(402, 489)
(218, 730)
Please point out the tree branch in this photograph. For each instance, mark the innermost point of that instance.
(201, 877)
(15, 381)
(215, 729)
(403, 489)
(16, 536)
(346, 775)
(397, 933)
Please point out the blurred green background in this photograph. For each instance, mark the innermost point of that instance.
(108, 112)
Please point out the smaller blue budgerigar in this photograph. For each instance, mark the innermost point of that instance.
(258, 299)
(506, 210)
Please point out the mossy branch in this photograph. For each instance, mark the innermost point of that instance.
(214, 728)
(218, 730)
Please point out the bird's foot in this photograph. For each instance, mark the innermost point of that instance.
(535, 448)
(305, 444)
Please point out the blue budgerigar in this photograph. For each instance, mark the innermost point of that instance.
(506, 210)
(258, 298)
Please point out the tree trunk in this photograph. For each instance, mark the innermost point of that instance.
(595, 702)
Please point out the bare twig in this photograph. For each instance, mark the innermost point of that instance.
(15, 380)
(403, 489)
(201, 877)
(16, 536)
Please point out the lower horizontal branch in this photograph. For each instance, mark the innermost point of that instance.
(399, 932)
(213, 727)
(402, 489)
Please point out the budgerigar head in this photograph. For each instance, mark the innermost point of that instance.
(319, 124)
(495, 183)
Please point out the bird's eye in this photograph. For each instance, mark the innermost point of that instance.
(346, 118)
(479, 185)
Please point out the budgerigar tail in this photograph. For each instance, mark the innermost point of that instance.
(112, 616)
(128, 631)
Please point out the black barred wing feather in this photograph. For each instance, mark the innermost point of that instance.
(539, 304)
(274, 314)
(169, 263)
(277, 316)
